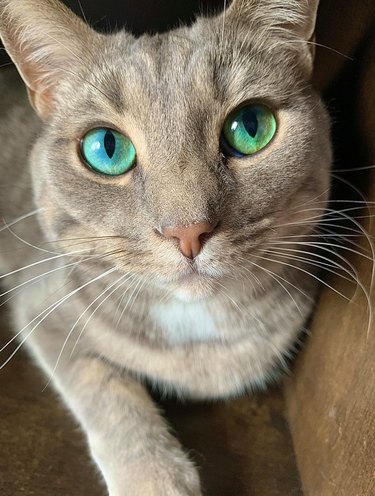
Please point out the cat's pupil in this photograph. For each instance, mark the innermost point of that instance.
(109, 143)
(250, 122)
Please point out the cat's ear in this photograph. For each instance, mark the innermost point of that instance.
(46, 41)
(291, 21)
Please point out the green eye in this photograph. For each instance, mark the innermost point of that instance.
(108, 152)
(247, 130)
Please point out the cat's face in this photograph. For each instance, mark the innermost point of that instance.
(171, 96)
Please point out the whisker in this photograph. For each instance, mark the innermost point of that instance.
(304, 271)
(103, 93)
(276, 277)
(19, 219)
(128, 278)
(133, 298)
(355, 169)
(323, 246)
(329, 48)
(28, 243)
(346, 238)
(327, 212)
(119, 280)
(127, 303)
(82, 11)
(355, 189)
(360, 284)
(319, 264)
(96, 309)
(39, 262)
(56, 269)
(7, 64)
(47, 312)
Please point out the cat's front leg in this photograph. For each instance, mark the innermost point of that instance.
(128, 438)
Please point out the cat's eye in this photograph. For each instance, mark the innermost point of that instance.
(248, 130)
(108, 152)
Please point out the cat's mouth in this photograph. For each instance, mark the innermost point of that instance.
(194, 285)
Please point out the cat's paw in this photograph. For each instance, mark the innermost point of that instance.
(160, 479)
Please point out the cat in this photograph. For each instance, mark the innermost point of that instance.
(154, 195)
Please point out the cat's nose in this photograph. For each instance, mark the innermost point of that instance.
(189, 237)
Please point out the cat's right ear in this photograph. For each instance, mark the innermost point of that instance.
(46, 42)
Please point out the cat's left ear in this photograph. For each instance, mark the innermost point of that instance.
(304, 27)
(47, 42)
(289, 21)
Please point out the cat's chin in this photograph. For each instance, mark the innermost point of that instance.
(194, 287)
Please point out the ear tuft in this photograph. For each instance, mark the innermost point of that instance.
(290, 20)
(45, 41)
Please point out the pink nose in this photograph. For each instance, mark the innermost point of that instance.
(189, 237)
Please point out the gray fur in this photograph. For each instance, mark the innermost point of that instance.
(209, 335)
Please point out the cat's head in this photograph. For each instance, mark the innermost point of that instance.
(188, 153)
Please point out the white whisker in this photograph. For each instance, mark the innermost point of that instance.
(314, 276)
(19, 219)
(47, 312)
(276, 278)
(40, 262)
(322, 265)
(127, 303)
(56, 269)
(128, 278)
(119, 280)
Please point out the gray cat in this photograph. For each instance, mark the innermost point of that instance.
(153, 205)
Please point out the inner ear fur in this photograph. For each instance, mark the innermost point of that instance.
(290, 20)
(45, 40)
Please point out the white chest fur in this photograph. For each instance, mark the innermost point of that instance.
(184, 322)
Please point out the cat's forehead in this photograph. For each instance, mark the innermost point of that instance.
(188, 76)
(201, 64)
(168, 61)
(163, 65)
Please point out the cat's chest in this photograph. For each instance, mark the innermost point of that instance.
(181, 322)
